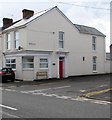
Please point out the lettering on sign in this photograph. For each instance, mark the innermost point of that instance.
(32, 43)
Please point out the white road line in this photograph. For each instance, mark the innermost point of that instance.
(40, 90)
(10, 90)
(11, 108)
(12, 116)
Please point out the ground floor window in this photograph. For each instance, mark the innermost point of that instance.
(94, 63)
(28, 62)
(43, 62)
(11, 62)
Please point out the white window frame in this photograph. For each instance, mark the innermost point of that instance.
(8, 41)
(16, 39)
(45, 63)
(93, 43)
(61, 39)
(94, 63)
(9, 62)
(26, 64)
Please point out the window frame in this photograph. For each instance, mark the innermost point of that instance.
(26, 64)
(10, 63)
(8, 41)
(40, 63)
(93, 43)
(16, 39)
(61, 39)
(94, 63)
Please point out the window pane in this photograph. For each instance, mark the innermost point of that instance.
(43, 63)
(26, 65)
(61, 35)
(13, 61)
(28, 62)
(60, 44)
(94, 67)
(8, 65)
(16, 38)
(43, 60)
(61, 39)
(94, 43)
(8, 41)
(94, 63)
(94, 59)
(94, 39)
(94, 47)
(13, 66)
(28, 59)
(7, 60)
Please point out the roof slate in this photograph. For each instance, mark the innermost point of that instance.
(88, 30)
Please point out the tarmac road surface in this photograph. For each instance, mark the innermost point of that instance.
(59, 99)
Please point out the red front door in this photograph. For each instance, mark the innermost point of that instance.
(61, 69)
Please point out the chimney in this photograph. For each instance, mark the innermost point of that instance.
(7, 22)
(27, 13)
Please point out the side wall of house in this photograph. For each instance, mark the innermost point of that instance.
(0, 49)
(45, 37)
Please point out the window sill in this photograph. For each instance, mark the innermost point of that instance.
(28, 69)
(43, 68)
(94, 71)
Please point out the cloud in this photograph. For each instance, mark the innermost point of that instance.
(98, 18)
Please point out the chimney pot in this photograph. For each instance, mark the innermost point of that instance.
(27, 13)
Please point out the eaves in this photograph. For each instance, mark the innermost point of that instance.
(13, 29)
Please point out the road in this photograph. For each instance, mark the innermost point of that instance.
(60, 99)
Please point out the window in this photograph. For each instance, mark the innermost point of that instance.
(93, 43)
(11, 63)
(16, 39)
(28, 62)
(8, 42)
(43, 62)
(94, 63)
(61, 39)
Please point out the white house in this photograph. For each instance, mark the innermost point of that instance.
(0, 48)
(50, 42)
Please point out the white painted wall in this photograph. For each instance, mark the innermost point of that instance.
(78, 45)
(107, 66)
(0, 49)
(42, 34)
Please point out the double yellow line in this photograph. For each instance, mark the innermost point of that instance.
(96, 92)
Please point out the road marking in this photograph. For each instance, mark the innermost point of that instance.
(13, 116)
(10, 90)
(82, 90)
(40, 90)
(11, 108)
(97, 92)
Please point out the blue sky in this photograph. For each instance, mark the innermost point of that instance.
(94, 13)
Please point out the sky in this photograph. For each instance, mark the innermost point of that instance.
(93, 13)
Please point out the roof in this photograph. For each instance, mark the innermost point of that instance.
(23, 22)
(82, 29)
(88, 30)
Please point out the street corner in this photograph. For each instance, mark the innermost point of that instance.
(103, 94)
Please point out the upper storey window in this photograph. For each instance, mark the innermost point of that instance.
(93, 43)
(61, 39)
(16, 39)
(8, 41)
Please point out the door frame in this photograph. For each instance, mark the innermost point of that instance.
(62, 61)
(65, 63)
